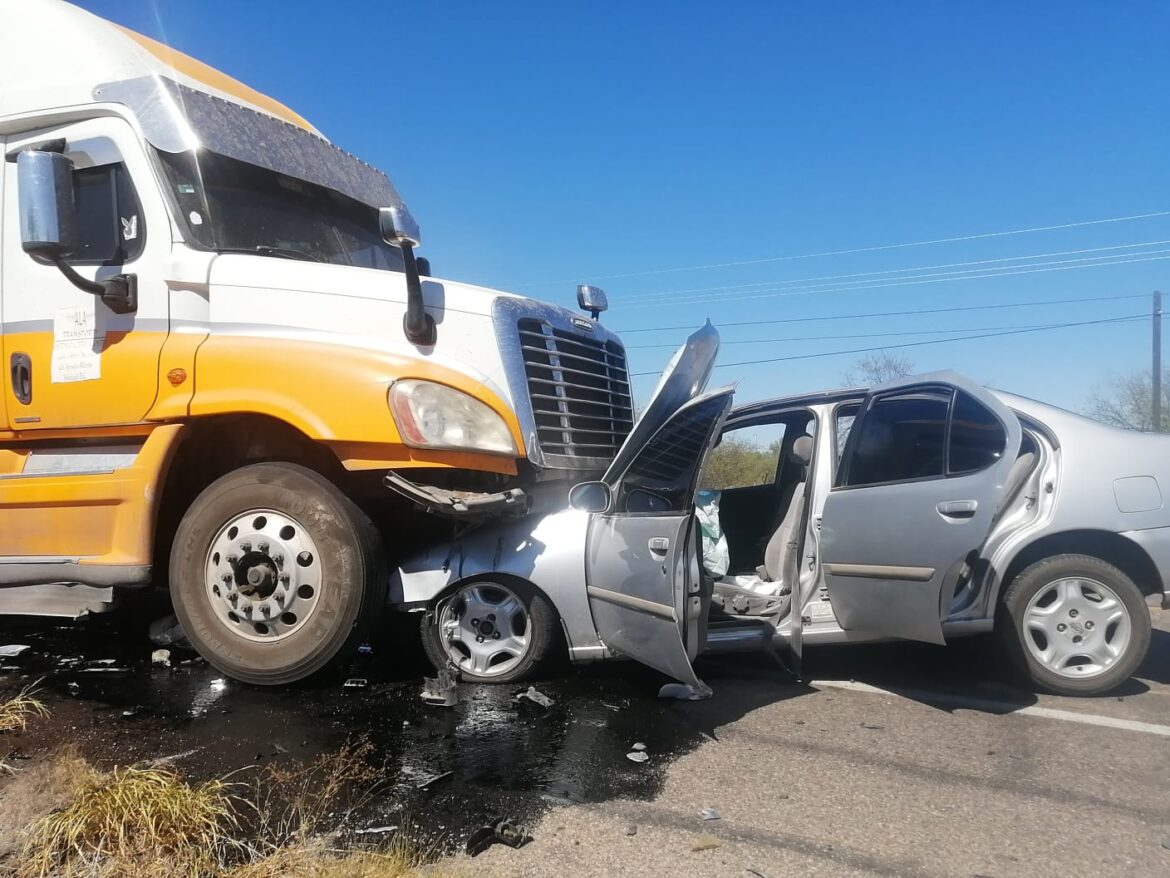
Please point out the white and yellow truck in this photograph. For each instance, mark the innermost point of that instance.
(226, 371)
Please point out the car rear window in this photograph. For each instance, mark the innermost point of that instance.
(901, 438)
(977, 437)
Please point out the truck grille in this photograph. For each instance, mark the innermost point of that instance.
(579, 391)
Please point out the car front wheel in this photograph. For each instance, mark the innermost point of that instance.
(492, 632)
(1075, 624)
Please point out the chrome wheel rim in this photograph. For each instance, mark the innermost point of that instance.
(263, 575)
(484, 629)
(1077, 627)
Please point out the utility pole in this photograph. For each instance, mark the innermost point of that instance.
(1157, 375)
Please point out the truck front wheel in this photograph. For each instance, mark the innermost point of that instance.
(275, 573)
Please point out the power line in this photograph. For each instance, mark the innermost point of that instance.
(873, 249)
(1060, 265)
(903, 332)
(914, 311)
(765, 286)
(914, 344)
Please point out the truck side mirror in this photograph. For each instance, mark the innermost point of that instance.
(399, 229)
(44, 184)
(48, 224)
(590, 497)
(592, 299)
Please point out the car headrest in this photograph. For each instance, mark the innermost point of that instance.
(802, 450)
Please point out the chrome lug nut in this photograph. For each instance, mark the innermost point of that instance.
(475, 623)
(263, 548)
(1061, 627)
(232, 559)
(496, 635)
(285, 578)
(278, 560)
(245, 547)
(479, 639)
(227, 578)
(1072, 614)
(1089, 626)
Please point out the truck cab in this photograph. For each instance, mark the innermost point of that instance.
(226, 371)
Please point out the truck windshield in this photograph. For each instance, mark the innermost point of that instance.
(232, 206)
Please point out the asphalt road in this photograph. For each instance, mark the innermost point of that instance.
(901, 759)
(957, 774)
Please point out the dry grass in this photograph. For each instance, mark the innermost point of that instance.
(133, 822)
(313, 859)
(15, 714)
(64, 818)
(292, 801)
(17, 711)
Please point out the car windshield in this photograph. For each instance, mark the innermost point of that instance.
(235, 207)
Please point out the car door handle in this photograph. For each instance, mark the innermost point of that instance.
(957, 508)
(658, 545)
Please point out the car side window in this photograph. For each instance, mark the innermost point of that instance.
(977, 438)
(744, 458)
(843, 420)
(110, 226)
(902, 437)
(662, 477)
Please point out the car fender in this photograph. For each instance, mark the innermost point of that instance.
(547, 551)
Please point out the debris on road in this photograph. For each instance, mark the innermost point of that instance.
(709, 814)
(639, 747)
(13, 650)
(872, 726)
(682, 692)
(638, 756)
(706, 843)
(536, 697)
(432, 780)
(498, 829)
(355, 683)
(440, 691)
(161, 657)
(631, 829)
(166, 632)
(375, 830)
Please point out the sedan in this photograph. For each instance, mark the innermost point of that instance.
(926, 508)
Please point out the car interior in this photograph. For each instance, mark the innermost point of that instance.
(762, 521)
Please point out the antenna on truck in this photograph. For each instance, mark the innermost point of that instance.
(399, 229)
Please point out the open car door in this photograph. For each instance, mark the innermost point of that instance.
(642, 558)
(916, 495)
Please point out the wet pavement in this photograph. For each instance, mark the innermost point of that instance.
(449, 770)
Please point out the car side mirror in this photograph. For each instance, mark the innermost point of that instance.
(399, 229)
(44, 186)
(590, 497)
(592, 299)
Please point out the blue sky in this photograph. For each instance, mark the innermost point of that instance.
(545, 144)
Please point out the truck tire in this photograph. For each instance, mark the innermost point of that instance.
(519, 622)
(1075, 625)
(275, 573)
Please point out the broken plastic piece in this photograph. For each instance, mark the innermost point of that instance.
(161, 657)
(434, 779)
(535, 697)
(439, 691)
(639, 746)
(637, 756)
(355, 683)
(13, 650)
(709, 814)
(498, 829)
(706, 843)
(684, 692)
(167, 632)
(374, 830)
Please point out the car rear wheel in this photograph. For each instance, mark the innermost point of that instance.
(492, 632)
(1075, 624)
(275, 573)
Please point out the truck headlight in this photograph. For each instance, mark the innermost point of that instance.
(432, 415)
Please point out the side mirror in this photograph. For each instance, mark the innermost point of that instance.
(398, 227)
(592, 299)
(590, 497)
(44, 185)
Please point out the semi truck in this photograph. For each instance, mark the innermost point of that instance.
(228, 373)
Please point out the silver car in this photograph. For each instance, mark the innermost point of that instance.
(924, 509)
